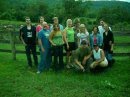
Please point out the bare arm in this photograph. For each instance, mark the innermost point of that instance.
(78, 41)
(112, 45)
(112, 41)
(88, 38)
(40, 44)
(50, 39)
(79, 64)
(64, 37)
(86, 58)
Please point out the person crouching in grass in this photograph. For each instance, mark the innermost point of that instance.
(99, 58)
(56, 40)
(81, 57)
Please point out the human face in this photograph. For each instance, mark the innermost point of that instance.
(102, 23)
(56, 20)
(28, 21)
(78, 24)
(41, 19)
(82, 28)
(69, 23)
(44, 25)
(96, 48)
(95, 30)
(21, 26)
(106, 28)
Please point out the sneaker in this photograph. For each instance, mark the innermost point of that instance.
(38, 72)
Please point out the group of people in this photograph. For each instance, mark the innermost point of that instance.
(84, 51)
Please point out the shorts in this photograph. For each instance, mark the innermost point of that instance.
(72, 46)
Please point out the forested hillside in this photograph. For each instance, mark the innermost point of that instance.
(18, 9)
(110, 4)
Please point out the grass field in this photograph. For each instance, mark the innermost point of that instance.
(122, 49)
(117, 49)
(17, 81)
(122, 39)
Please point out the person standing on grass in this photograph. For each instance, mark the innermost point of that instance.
(56, 40)
(81, 57)
(83, 35)
(101, 28)
(56, 22)
(99, 58)
(40, 25)
(108, 44)
(28, 37)
(68, 35)
(95, 37)
(44, 45)
(76, 28)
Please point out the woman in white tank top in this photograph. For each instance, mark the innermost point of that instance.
(99, 58)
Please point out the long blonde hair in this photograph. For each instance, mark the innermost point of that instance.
(68, 21)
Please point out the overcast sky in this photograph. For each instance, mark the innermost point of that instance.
(107, 0)
(125, 0)
(111, 0)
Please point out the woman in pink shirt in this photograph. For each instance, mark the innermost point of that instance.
(39, 26)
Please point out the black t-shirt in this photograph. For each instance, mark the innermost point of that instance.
(29, 35)
(106, 39)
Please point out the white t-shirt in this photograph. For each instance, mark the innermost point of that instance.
(102, 30)
(97, 55)
(83, 36)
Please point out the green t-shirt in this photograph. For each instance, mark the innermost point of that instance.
(57, 39)
(70, 34)
(80, 53)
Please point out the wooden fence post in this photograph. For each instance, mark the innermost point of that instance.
(12, 41)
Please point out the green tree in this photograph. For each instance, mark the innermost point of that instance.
(3, 5)
(114, 15)
(74, 8)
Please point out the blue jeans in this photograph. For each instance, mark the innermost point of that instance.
(108, 56)
(45, 60)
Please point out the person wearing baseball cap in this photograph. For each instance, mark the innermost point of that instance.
(81, 57)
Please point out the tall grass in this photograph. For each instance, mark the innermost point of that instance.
(17, 81)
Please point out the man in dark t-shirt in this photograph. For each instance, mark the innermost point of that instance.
(81, 57)
(28, 38)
